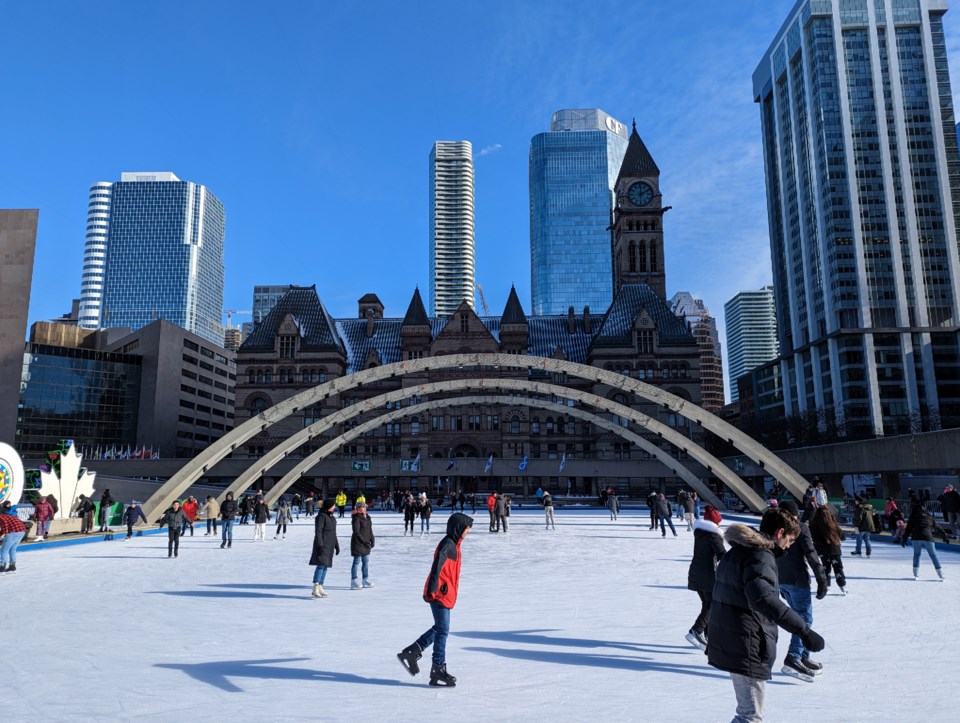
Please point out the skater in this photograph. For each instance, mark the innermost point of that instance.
(688, 506)
(424, 509)
(85, 510)
(211, 510)
(440, 591)
(707, 551)
(245, 509)
(296, 505)
(462, 498)
(827, 536)
(547, 502)
(106, 503)
(863, 519)
(681, 503)
(502, 512)
(325, 545)
(130, 516)
(492, 508)
(795, 589)
(409, 514)
(920, 527)
(310, 504)
(950, 506)
(654, 507)
(190, 510)
(283, 517)
(665, 514)
(361, 543)
(173, 518)
(12, 531)
(42, 514)
(261, 516)
(697, 505)
(613, 504)
(341, 502)
(746, 610)
(228, 513)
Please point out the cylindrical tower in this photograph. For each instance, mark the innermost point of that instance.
(95, 254)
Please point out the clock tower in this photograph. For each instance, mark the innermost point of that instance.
(638, 221)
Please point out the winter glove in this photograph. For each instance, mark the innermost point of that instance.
(821, 589)
(811, 640)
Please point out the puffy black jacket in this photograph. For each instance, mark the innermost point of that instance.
(747, 608)
(325, 542)
(792, 564)
(921, 524)
(950, 501)
(362, 540)
(261, 513)
(707, 550)
(228, 510)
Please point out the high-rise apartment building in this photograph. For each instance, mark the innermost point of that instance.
(162, 239)
(863, 195)
(265, 298)
(452, 243)
(573, 170)
(704, 329)
(751, 325)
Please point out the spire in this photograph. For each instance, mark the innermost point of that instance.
(513, 311)
(637, 161)
(416, 313)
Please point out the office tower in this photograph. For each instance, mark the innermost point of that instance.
(751, 324)
(94, 255)
(573, 170)
(164, 255)
(452, 254)
(863, 176)
(704, 329)
(18, 239)
(264, 299)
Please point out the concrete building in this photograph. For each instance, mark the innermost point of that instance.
(863, 176)
(751, 326)
(18, 238)
(452, 254)
(573, 170)
(704, 329)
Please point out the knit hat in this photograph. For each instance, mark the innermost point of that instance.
(327, 504)
(361, 503)
(710, 514)
(773, 502)
(791, 507)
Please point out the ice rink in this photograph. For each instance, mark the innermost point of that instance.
(583, 623)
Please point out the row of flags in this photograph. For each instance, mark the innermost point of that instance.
(114, 452)
(488, 467)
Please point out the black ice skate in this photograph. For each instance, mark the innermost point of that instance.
(440, 677)
(812, 665)
(408, 658)
(795, 668)
(696, 639)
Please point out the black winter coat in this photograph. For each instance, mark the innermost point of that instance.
(261, 514)
(362, 541)
(707, 550)
(950, 501)
(228, 510)
(132, 514)
(747, 608)
(174, 519)
(325, 542)
(792, 564)
(921, 524)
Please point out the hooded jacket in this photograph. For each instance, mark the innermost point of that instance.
(444, 578)
(707, 550)
(325, 542)
(132, 514)
(228, 510)
(921, 524)
(792, 564)
(746, 608)
(362, 540)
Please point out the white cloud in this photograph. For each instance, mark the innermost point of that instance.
(488, 150)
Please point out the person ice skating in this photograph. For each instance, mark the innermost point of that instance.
(665, 514)
(325, 545)
(130, 517)
(424, 510)
(863, 519)
(501, 510)
(283, 517)
(920, 527)
(440, 591)
(228, 514)
(296, 505)
(310, 505)
(42, 514)
(261, 516)
(85, 510)
(827, 536)
(654, 509)
(173, 518)
(211, 510)
(688, 505)
(613, 504)
(341, 502)
(950, 506)
(547, 501)
(681, 503)
(746, 610)
(245, 508)
(492, 508)
(12, 530)
(106, 503)
(190, 510)
(361, 544)
(707, 551)
(409, 508)
(795, 589)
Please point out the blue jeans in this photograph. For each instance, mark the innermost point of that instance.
(798, 598)
(226, 530)
(865, 538)
(8, 550)
(424, 521)
(931, 549)
(359, 560)
(437, 635)
(320, 574)
(668, 521)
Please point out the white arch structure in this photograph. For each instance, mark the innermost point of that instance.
(195, 468)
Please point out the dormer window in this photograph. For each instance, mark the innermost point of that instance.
(288, 346)
(463, 323)
(645, 341)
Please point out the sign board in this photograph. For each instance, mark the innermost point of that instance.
(362, 465)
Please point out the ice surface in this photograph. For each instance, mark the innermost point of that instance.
(584, 623)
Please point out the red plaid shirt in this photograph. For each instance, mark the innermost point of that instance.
(11, 523)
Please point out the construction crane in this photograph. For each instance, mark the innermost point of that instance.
(483, 301)
(231, 312)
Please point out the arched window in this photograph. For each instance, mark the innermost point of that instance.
(633, 257)
(643, 256)
(561, 425)
(283, 376)
(550, 429)
(515, 425)
(535, 425)
(414, 426)
(268, 376)
(257, 406)
(259, 376)
(653, 257)
(252, 376)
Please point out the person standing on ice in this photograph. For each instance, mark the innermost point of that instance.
(502, 510)
(827, 536)
(283, 517)
(361, 544)
(654, 509)
(261, 516)
(613, 504)
(707, 551)
(492, 508)
(12, 530)
(440, 591)
(173, 518)
(228, 513)
(547, 501)
(688, 505)
(325, 545)
(130, 517)
(211, 510)
(665, 514)
(920, 527)
(424, 509)
(409, 514)
(746, 610)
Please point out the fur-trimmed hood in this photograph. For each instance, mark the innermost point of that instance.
(744, 536)
(707, 526)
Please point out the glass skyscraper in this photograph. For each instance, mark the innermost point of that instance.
(751, 326)
(452, 243)
(573, 169)
(863, 194)
(164, 255)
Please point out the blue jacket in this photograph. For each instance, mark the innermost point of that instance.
(132, 513)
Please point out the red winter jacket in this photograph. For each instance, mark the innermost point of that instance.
(190, 509)
(43, 511)
(491, 502)
(444, 578)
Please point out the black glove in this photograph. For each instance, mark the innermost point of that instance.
(812, 640)
(821, 589)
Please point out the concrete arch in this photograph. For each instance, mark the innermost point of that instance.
(196, 467)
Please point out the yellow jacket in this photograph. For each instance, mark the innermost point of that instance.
(341, 500)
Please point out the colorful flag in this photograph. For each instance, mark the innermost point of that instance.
(415, 467)
(523, 464)
(451, 460)
(154, 455)
(489, 465)
(563, 461)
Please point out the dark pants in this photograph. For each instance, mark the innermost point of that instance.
(173, 541)
(437, 635)
(669, 521)
(407, 522)
(493, 520)
(183, 529)
(653, 518)
(129, 530)
(282, 525)
(212, 522)
(700, 625)
(834, 564)
(342, 509)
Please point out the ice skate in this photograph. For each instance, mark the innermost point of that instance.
(812, 665)
(440, 677)
(795, 668)
(916, 573)
(318, 591)
(3, 569)
(367, 583)
(354, 584)
(222, 545)
(11, 568)
(408, 658)
(940, 574)
(696, 639)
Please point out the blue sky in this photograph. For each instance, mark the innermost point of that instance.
(313, 121)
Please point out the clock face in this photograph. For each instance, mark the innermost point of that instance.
(640, 193)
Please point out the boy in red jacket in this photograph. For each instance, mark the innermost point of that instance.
(440, 591)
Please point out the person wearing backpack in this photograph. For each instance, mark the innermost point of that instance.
(863, 519)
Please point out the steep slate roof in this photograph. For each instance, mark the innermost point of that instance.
(385, 341)
(630, 301)
(416, 313)
(513, 311)
(317, 328)
(637, 161)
